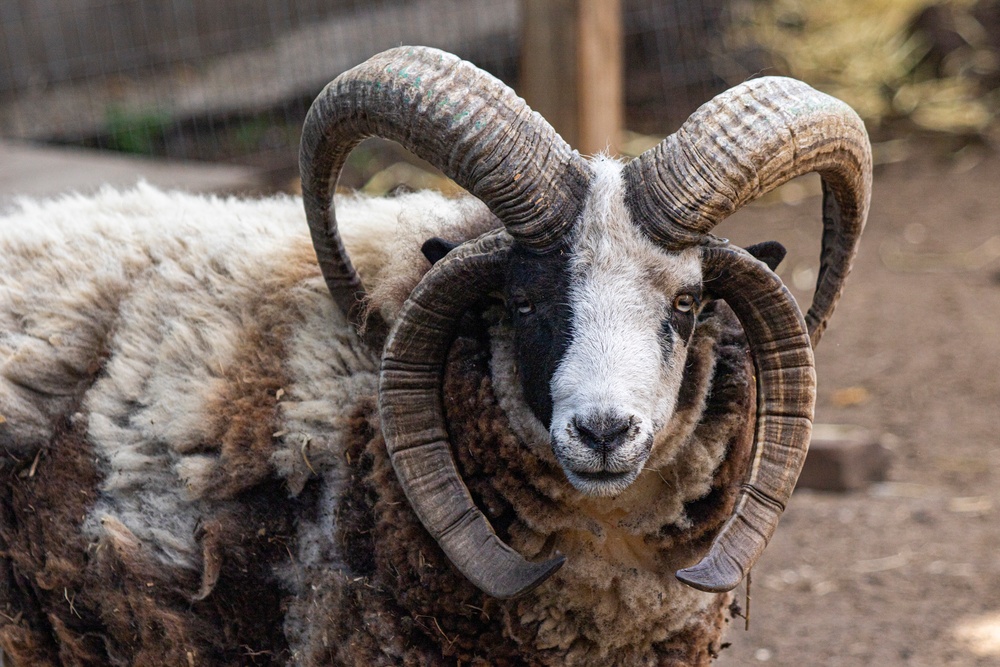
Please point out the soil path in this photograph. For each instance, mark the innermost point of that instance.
(907, 572)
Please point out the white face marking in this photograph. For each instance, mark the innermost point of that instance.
(614, 388)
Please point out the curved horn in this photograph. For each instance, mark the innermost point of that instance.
(460, 119)
(410, 407)
(744, 143)
(786, 396)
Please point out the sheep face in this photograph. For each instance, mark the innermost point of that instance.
(603, 265)
(602, 332)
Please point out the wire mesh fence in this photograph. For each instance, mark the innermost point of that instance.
(230, 80)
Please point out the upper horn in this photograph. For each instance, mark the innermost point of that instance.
(745, 142)
(460, 119)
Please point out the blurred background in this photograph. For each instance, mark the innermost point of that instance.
(229, 81)
(891, 555)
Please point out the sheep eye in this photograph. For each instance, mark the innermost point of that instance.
(684, 303)
(525, 307)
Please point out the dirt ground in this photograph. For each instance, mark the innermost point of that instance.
(908, 571)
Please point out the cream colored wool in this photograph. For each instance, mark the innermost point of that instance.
(168, 325)
(154, 288)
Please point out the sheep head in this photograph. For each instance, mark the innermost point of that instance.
(603, 267)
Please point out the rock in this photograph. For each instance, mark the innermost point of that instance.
(843, 458)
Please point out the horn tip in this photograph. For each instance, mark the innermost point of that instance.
(533, 576)
(711, 576)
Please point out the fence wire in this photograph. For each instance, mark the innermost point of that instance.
(230, 80)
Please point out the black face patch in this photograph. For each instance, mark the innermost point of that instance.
(537, 294)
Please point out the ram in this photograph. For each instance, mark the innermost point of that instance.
(553, 423)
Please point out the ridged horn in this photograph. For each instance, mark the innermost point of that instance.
(786, 397)
(745, 142)
(460, 119)
(413, 421)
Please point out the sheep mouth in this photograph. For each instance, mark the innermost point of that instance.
(600, 482)
(602, 476)
(594, 474)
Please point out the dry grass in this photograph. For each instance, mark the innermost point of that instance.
(870, 54)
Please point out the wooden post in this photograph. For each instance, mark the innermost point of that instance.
(571, 69)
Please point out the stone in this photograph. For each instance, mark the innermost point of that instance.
(844, 458)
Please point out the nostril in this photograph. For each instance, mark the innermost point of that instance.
(603, 433)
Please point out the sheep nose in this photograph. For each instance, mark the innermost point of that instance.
(603, 433)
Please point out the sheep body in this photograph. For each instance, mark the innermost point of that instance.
(154, 332)
(196, 473)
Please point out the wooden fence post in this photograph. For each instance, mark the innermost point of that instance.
(571, 69)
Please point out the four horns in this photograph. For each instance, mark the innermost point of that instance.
(733, 149)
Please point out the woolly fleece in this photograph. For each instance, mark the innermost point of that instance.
(194, 472)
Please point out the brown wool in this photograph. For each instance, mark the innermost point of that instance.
(426, 609)
(246, 408)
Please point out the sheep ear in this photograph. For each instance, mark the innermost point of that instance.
(769, 252)
(436, 248)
